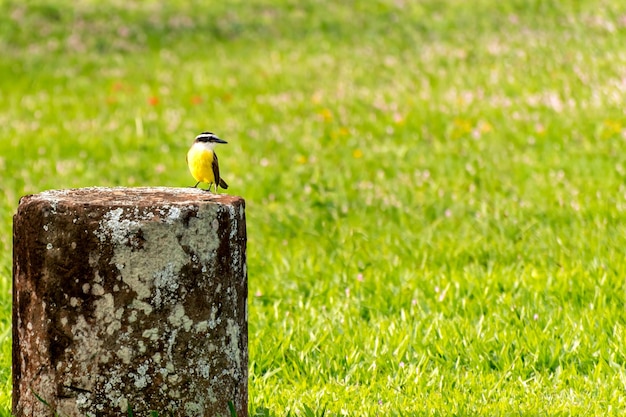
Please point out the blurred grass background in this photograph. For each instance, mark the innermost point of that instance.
(435, 189)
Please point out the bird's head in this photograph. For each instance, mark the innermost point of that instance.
(209, 138)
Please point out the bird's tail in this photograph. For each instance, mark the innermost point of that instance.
(223, 184)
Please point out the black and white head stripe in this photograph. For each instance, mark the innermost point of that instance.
(209, 137)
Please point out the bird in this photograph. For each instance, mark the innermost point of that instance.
(202, 161)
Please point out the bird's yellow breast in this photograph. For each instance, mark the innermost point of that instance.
(200, 161)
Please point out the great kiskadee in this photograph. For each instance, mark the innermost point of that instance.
(202, 160)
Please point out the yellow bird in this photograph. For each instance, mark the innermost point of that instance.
(202, 160)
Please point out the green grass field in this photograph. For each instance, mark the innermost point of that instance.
(436, 190)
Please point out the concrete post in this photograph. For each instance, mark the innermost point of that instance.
(129, 297)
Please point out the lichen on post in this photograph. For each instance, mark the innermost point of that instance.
(129, 297)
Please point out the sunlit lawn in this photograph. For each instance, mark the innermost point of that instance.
(435, 189)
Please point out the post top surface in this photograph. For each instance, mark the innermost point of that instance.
(136, 196)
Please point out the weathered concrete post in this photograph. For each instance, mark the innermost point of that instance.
(129, 297)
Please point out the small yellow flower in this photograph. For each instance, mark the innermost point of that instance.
(326, 115)
(301, 159)
(357, 153)
(611, 127)
(485, 127)
(460, 128)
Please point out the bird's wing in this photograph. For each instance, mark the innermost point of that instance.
(216, 170)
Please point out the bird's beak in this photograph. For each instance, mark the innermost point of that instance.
(218, 140)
